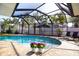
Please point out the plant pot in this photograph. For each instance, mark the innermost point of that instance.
(40, 50)
(33, 46)
(33, 49)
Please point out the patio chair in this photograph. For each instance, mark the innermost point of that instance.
(68, 36)
(72, 37)
(78, 36)
(75, 35)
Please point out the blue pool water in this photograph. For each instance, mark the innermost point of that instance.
(29, 39)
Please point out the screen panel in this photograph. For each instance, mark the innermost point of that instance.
(65, 8)
(28, 5)
(48, 7)
(35, 13)
(52, 13)
(21, 12)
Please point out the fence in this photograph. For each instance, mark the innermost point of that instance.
(44, 30)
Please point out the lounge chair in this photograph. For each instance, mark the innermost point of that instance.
(70, 37)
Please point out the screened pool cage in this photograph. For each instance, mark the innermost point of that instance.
(35, 18)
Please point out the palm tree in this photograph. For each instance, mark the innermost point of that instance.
(30, 20)
(58, 19)
(8, 24)
(5, 24)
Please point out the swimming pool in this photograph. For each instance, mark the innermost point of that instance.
(28, 39)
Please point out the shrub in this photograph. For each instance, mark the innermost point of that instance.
(59, 31)
(9, 31)
(33, 45)
(41, 45)
(16, 32)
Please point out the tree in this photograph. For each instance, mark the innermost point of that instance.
(58, 18)
(75, 21)
(8, 24)
(5, 24)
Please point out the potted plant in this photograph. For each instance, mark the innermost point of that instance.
(40, 47)
(59, 32)
(33, 46)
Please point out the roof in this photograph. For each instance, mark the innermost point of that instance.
(25, 9)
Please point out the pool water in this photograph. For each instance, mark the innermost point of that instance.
(29, 39)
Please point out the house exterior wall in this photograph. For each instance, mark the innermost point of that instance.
(6, 9)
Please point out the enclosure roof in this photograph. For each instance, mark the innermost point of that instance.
(24, 9)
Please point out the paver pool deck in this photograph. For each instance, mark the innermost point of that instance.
(8, 48)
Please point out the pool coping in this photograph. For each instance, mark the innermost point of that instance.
(26, 34)
(50, 49)
(18, 54)
(57, 38)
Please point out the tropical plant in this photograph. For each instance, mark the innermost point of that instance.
(9, 31)
(5, 24)
(54, 19)
(33, 46)
(30, 20)
(41, 45)
(59, 31)
(58, 18)
(8, 25)
(75, 21)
